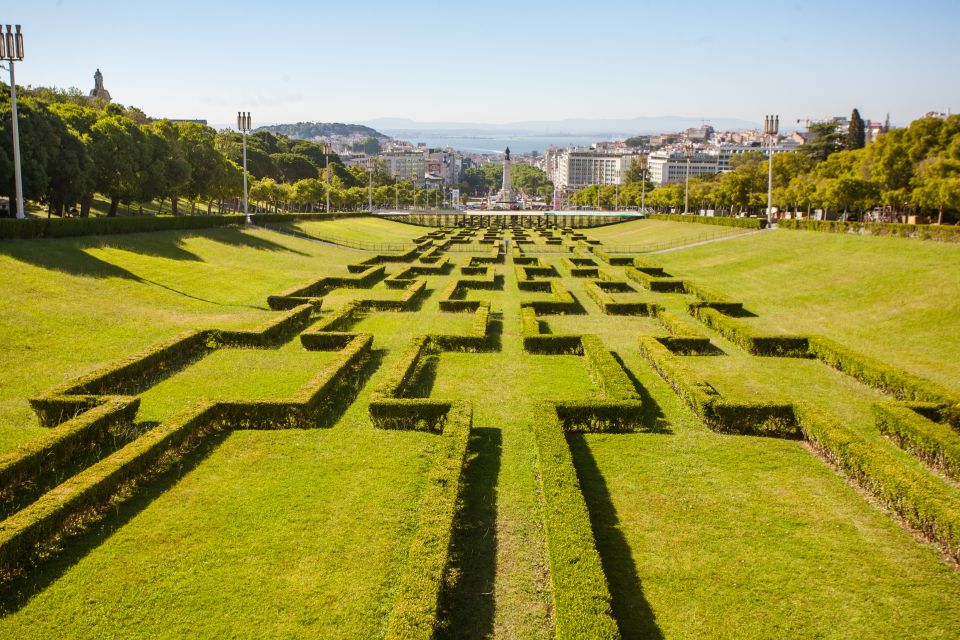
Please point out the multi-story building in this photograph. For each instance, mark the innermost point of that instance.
(671, 166)
(576, 168)
(405, 164)
(726, 152)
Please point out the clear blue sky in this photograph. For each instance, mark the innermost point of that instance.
(500, 61)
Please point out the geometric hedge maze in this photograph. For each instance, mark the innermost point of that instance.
(93, 458)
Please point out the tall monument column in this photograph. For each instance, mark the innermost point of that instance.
(506, 192)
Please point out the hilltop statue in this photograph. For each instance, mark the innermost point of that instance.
(98, 91)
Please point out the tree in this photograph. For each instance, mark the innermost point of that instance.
(938, 186)
(856, 132)
(824, 140)
(117, 148)
(292, 167)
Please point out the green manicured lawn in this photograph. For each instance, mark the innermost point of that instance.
(303, 533)
(653, 232)
(895, 299)
(362, 230)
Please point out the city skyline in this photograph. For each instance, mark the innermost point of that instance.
(499, 63)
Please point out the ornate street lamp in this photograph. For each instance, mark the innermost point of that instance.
(11, 50)
(244, 124)
(771, 126)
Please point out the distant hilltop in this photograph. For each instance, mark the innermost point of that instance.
(314, 130)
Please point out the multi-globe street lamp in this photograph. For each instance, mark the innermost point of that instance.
(11, 50)
(771, 126)
(244, 124)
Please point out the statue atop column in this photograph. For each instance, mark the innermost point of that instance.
(98, 91)
(506, 198)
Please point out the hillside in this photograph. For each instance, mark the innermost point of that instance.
(311, 130)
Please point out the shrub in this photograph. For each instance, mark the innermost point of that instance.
(273, 332)
(561, 302)
(395, 381)
(654, 283)
(746, 223)
(581, 596)
(936, 444)
(745, 337)
(712, 299)
(124, 376)
(474, 341)
(36, 463)
(597, 290)
(674, 325)
(942, 233)
(300, 294)
(875, 373)
(915, 495)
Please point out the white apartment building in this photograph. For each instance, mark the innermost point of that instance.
(671, 166)
(405, 165)
(726, 152)
(577, 168)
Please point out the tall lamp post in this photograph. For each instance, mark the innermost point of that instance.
(688, 152)
(244, 124)
(11, 50)
(771, 126)
(326, 174)
(370, 191)
(643, 186)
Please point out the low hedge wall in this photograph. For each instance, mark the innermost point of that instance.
(581, 596)
(613, 260)
(713, 299)
(417, 601)
(37, 463)
(656, 284)
(271, 333)
(597, 290)
(936, 444)
(944, 233)
(783, 346)
(398, 376)
(877, 374)
(915, 495)
(123, 376)
(474, 341)
(720, 414)
(406, 302)
(613, 381)
(674, 325)
(561, 302)
(82, 499)
(600, 416)
(746, 223)
(299, 294)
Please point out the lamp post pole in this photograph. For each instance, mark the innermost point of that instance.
(643, 188)
(771, 126)
(687, 151)
(326, 173)
(11, 50)
(244, 124)
(370, 191)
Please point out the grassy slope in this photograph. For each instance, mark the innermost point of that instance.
(702, 535)
(648, 232)
(70, 305)
(362, 230)
(895, 299)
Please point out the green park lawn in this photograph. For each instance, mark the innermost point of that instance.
(303, 533)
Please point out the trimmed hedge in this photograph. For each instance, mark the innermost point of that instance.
(416, 605)
(382, 258)
(718, 413)
(655, 283)
(452, 296)
(406, 302)
(877, 374)
(713, 299)
(674, 325)
(124, 376)
(561, 302)
(394, 383)
(34, 464)
(936, 444)
(943, 233)
(472, 342)
(300, 294)
(271, 333)
(915, 495)
(782, 346)
(746, 223)
(80, 500)
(546, 344)
(613, 260)
(581, 596)
(598, 291)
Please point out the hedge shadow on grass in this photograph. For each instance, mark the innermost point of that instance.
(17, 593)
(236, 237)
(468, 605)
(633, 614)
(653, 419)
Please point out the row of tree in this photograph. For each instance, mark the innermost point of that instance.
(911, 169)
